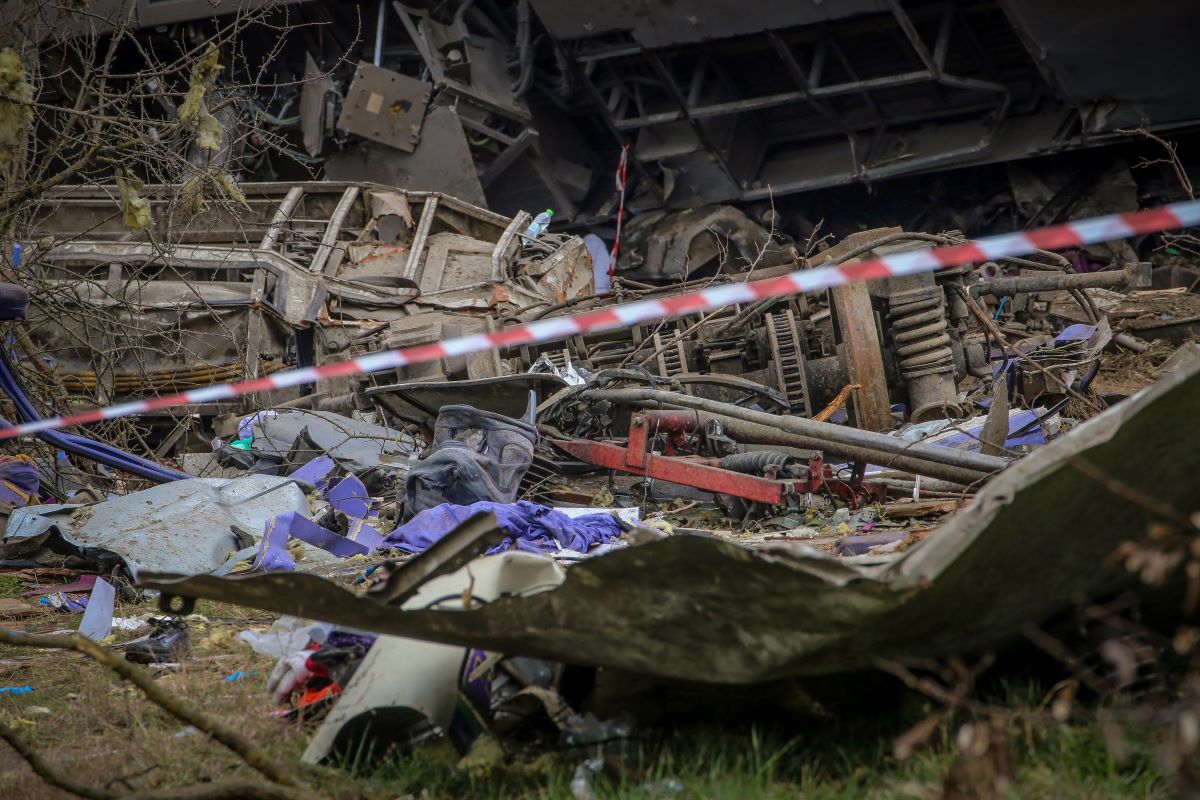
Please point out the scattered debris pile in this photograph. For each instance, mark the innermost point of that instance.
(472, 549)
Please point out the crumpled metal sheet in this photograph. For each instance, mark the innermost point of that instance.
(181, 527)
(1037, 537)
(503, 394)
(564, 275)
(305, 434)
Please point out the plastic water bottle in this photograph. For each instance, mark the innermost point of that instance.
(539, 224)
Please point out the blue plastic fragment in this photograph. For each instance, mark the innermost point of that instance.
(26, 689)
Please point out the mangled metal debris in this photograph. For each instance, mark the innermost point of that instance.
(280, 441)
(243, 291)
(196, 525)
(954, 390)
(671, 608)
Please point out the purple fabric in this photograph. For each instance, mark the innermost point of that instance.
(531, 527)
(350, 497)
(315, 471)
(23, 476)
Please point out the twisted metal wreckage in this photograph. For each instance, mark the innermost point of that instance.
(837, 425)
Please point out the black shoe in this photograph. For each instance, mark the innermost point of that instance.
(168, 643)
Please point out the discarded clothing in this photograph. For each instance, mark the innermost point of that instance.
(286, 635)
(319, 672)
(477, 455)
(532, 528)
(64, 602)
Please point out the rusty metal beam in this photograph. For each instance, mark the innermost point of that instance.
(1133, 275)
(697, 473)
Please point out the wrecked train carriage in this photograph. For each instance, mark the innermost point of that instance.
(301, 274)
(527, 103)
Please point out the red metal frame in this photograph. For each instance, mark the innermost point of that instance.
(635, 458)
(700, 473)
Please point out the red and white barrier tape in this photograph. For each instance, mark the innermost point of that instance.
(621, 181)
(1073, 234)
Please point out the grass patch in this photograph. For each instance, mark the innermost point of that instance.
(87, 722)
(1059, 761)
(11, 586)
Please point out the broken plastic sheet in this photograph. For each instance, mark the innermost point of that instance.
(97, 620)
(402, 681)
(182, 527)
(273, 553)
(1037, 537)
(349, 496)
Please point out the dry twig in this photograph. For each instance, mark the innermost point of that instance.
(254, 757)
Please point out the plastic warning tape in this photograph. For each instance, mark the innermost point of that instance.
(1057, 237)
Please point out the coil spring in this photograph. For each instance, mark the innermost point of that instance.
(754, 463)
(920, 332)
